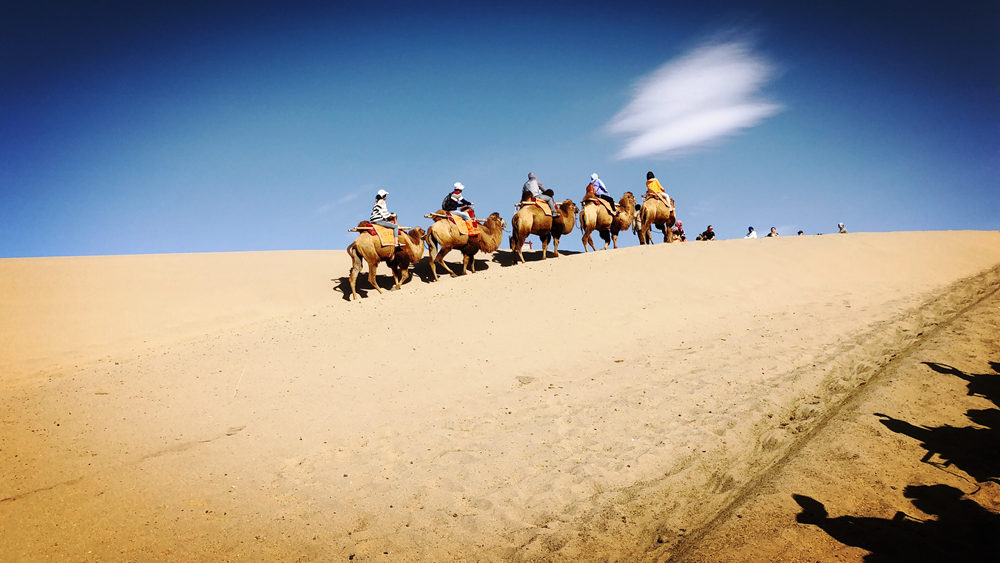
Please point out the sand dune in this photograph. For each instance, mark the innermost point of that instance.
(592, 406)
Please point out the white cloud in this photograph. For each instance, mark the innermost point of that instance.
(327, 207)
(700, 97)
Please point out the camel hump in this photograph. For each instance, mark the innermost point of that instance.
(597, 201)
(384, 235)
(540, 203)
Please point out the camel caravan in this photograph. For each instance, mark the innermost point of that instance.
(456, 227)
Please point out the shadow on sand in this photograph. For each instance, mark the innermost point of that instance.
(509, 258)
(961, 529)
(421, 270)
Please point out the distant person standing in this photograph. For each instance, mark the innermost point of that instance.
(773, 233)
(841, 229)
(750, 233)
(708, 234)
(533, 188)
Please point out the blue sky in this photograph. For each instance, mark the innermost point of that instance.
(220, 126)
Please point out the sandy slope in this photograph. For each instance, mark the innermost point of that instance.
(603, 405)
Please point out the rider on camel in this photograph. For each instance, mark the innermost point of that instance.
(653, 187)
(533, 188)
(382, 217)
(601, 191)
(454, 202)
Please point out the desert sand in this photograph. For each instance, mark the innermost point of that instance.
(646, 403)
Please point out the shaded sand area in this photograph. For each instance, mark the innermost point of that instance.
(619, 405)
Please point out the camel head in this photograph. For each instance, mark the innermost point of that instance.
(567, 207)
(497, 219)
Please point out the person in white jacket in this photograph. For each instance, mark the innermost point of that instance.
(750, 233)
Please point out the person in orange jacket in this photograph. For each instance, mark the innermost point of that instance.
(653, 187)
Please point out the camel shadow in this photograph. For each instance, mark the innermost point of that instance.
(509, 258)
(985, 385)
(364, 288)
(973, 449)
(424, 268)
(385, 281)
(961, 530)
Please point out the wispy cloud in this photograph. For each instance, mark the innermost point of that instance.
(346, 198)
(702, 96)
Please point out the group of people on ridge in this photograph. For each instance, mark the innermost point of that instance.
(456, 203)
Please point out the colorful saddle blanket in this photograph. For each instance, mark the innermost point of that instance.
(600, 201)
(384, 234)
(470, 228)
(542, 204)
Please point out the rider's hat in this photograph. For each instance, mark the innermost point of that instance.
(459, 186)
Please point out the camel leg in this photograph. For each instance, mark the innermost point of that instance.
(555, 246)
(400, 271)
(432, 249)
(585, 239)
(372, 264)
(606, 237)
(355, 270)
(440, 260)
(516, 243)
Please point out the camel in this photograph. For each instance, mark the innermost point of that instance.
(368, 248)
(595, 216)
(655, 212)
(530, 220)
(443, 236)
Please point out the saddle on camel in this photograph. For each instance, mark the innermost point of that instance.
(543, 205)
(470, 227)
(383, 234)
(591, 199)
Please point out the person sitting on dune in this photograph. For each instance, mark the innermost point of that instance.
(841, 229)
(678, 230)
(708, 234)
(750, 233)
(773, 233)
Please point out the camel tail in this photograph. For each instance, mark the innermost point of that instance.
(350, 250)
(429, 239)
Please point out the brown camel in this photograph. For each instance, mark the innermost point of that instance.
(595, 216)
(368, 248)
(443, 236)
(530, 220)
(655, 212)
